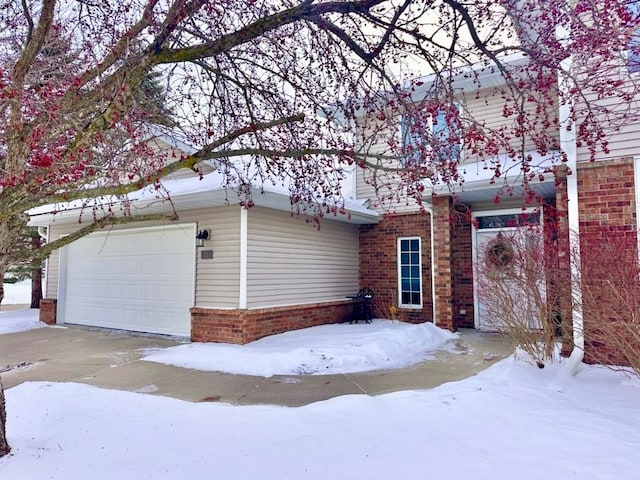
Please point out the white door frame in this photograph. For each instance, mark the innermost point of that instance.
(474, 243)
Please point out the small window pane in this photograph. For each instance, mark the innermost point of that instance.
(509, 220)
(415, 245)
(415, 259)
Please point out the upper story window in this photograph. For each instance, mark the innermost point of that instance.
(633, 47)
(436, 135)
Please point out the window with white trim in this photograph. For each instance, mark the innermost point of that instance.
(410, 272)
(438, 133)
(633, 46)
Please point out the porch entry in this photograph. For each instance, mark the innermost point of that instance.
(500, 240)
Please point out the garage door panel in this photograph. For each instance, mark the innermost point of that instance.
(141, 280)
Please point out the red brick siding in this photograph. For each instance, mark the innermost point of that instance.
(244, 326)
(462, 268)
(379, 262)
(48, 311)
(607, 214)
(557, 238)
(442, 238)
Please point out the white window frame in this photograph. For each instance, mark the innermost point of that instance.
(399, 269)
(635, 40)
(430, 125)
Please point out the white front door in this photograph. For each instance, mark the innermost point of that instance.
(506, 277)
(137, 279)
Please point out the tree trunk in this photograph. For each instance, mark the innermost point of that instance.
(36, 288)
(4, 444)
(36, 274)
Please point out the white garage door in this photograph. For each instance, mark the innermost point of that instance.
(139, 279)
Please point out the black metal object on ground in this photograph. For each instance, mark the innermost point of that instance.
(362, 306)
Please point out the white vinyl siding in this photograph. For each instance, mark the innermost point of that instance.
(624, 143)
(53, 263)
(292, 262)
(374, 184)
(218, 279)
(485, 107)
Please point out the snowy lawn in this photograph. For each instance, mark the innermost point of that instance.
(20, 320)
(17, 293)
(512, 421)
(326, 349)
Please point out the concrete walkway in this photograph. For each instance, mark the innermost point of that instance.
(112, 360)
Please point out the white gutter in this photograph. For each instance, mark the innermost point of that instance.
(568, 145)
(433, 267)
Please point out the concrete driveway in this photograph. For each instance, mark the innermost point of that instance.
(112, 360)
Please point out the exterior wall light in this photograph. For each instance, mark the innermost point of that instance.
(201, 237)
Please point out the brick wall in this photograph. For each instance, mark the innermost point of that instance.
(607, 214)
(443, 219)
(606, 195)
(558, 244)
(48, 311)
(379, 262)
(462, 268)
(244, 326)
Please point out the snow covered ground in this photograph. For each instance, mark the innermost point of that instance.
(20, 320)
(512, 421)
(17, 293)
(327, 349)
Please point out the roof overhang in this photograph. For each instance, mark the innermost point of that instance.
(194, 193)
(479, 185)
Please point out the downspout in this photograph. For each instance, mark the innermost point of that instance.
(44, 233)
(569, 147)
(433, 266)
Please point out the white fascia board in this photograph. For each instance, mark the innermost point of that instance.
(463, 80)
(478, 175)
(190, 194)
(169, 137)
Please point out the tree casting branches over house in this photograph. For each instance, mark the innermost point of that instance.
(273, 90)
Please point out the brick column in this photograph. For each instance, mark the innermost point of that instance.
(48, 307)
(442, 219)
(563, 245)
